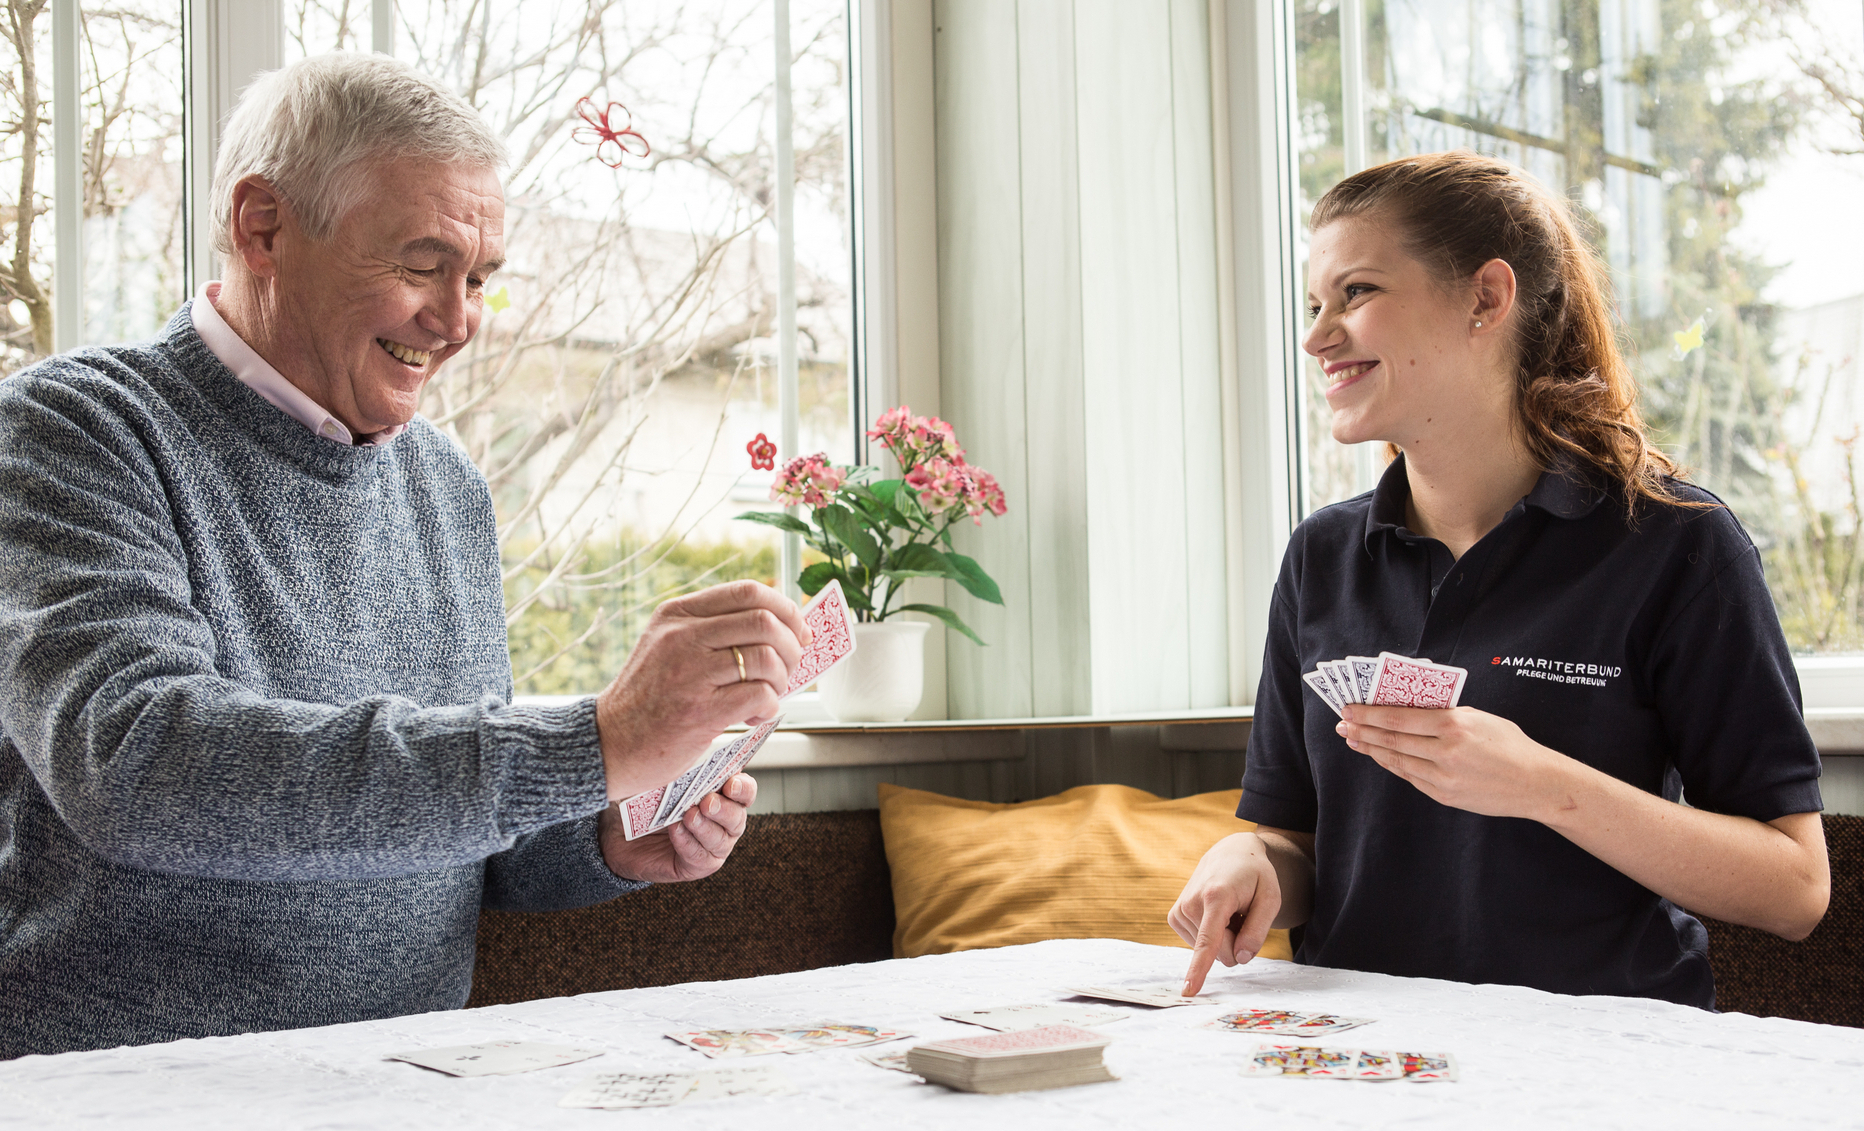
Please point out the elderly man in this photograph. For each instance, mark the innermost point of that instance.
(258, 764)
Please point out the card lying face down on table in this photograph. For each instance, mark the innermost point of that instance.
(831, 623)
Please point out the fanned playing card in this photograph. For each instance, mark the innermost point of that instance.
(738, 1042)
(1427, 1067)
(1342, 680)
(895, 1061)
(1161, 996)
(621, 1090)
(1286, 1023)
(691, 787)
(1323, 687)
(639, 812)
(1403, 681)
(749, 1080)
(618, 1090)
(830, 1035)
(1016, 1018)
(654, 810)
(495, 1058)
(1363, 670)
(831, 627)
(1316, 1063)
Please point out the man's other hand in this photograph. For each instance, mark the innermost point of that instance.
(691, 848)
(706, 661)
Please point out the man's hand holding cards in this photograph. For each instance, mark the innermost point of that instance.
(831, 626)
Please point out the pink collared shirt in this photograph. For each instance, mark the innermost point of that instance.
(268, 382)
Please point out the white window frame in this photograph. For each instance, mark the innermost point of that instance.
(895, 287)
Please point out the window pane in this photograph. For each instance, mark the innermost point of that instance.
(610, 403)
(133, 232)
(130, 101)
(1711, 149)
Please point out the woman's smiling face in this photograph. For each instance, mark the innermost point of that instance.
(1403, 357)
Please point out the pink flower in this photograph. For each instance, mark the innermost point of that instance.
(915, 439)
(942, 484)
(985, 494)
(892, 425)
(807, 481)
(763, 453)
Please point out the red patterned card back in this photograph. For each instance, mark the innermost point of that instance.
(831, 626)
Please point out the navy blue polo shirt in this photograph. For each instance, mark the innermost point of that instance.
(1648, 651)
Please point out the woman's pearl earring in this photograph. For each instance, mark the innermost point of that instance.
(1478, 323)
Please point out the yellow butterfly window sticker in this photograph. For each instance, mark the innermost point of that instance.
(1688, 340)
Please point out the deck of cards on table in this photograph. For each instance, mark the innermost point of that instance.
(831, 625)
(1022, 1060)
(1388, 680)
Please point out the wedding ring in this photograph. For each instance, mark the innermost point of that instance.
(739, 656)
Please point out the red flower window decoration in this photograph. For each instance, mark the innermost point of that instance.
(611, 144)
(763, 453)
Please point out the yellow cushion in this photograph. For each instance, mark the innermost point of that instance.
(1096, 862)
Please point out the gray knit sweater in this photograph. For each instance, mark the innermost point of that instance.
(257, 766)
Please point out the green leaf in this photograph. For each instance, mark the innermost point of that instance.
(811, 580)
(845, 527)
(887, 489)
(779, 520)
(921, 558)
(946, 615)
(903, 574)
(975, 581)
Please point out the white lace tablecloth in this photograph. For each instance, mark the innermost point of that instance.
(1528, 1059)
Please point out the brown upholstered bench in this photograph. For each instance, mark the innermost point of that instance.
(805, 890)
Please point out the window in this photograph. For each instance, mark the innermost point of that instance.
(98, 241)
(1712, 149)
(609, 403)
(634, 343)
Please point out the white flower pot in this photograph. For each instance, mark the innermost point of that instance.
(884, 679)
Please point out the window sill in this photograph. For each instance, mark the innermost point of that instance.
(1838, 731)
(814, 742)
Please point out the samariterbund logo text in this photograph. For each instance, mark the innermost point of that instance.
(1557, 671)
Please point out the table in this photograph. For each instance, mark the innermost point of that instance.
(1529, 1059)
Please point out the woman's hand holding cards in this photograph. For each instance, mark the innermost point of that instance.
(1461, 757)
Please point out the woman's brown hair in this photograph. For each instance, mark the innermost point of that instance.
(1574, 392)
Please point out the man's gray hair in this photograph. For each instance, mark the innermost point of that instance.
(313, 129)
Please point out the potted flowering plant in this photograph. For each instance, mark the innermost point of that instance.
(875, 535)
(878, 533)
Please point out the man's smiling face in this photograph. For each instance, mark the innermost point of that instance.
(369, 315)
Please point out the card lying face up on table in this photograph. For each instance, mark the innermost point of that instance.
(1390, 680)
(831, 625)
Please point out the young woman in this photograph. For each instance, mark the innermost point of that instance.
(1622, 649)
